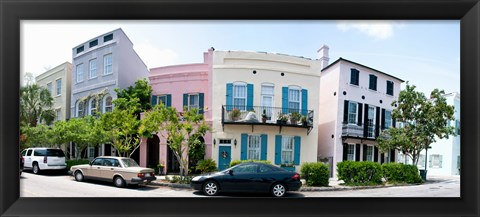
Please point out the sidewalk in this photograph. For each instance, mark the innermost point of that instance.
(334, 184)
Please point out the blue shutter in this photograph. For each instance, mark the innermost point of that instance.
(304, 101)
(200, 102)
(185, 101)
(278, 149)
(296, 150)
(263, 151)
(168, 104)
(249, 97)
(229, 97)
(244, 141)
(154, 100)
(285, 100)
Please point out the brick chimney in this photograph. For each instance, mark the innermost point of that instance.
(322, 55)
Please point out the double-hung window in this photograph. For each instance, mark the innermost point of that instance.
(369, 154)
(267, 100)
(58, 86)
(294, 98)
(371, 122)
(390, 88)
(287, 149)
(80, 109)
(240, 96)
(79, 71)
(354, 75)
(351, 152)
(107, 64)
(107, 104)
(49, 88)
(373, 82)
(388, 119)
(253, 149)
(193, 101)
(92, 106)
(352, 112)
(93, 68)
(163, 100)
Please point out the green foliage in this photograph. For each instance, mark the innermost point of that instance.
(360, 173)
(196, 152)
(207, 166)
(234, 114)
(424, 120)
(141, 91)
(179, 179)
(315, 173)
(401, 173)
(35, 105)
(71, 163)
(235, 162)
(295, 116)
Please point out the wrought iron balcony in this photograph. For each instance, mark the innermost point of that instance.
(265, 115)
(359, 131)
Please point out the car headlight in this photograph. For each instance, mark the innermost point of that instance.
(196, 178)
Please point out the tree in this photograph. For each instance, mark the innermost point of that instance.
(84, 132)
(181, 131)
(424, 121)
(35, 105)
(140, 91)
(40, 136)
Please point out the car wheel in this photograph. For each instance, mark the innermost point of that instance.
(119, 182)
(210, 188)
(79, 176)
(36, 169)
(278, 190)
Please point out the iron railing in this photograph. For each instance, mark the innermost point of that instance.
(358, 130)
(267, 115)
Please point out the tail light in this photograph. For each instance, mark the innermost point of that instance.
(152, 174)
(296, 176)
(23, 159)
(141, 175)
(45, 159)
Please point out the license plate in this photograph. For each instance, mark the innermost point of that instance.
(147, 174)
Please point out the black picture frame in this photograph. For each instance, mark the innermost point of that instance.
(13, 11)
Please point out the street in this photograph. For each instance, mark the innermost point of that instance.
(60, 185)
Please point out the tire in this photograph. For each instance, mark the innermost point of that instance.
(35, 168)
(119, 182)
(278, 190)
(210, 188)
(79, 176)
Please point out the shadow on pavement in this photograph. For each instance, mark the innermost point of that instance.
(264, 195)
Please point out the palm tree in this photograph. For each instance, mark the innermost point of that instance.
(35, 105)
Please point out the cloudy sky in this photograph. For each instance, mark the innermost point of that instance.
(425, 53)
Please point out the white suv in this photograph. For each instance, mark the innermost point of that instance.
(38, 159)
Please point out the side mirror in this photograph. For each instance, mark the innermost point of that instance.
(230, 172)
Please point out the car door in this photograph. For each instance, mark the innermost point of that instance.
(109, 168)
(243, 178)
(94, 168)
(265, 177)
(28, 158)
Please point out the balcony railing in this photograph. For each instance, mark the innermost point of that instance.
(358, 130)
(265, 115)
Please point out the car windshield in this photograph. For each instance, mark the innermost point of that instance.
(129, 162)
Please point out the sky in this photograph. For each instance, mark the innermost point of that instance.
(424, 53)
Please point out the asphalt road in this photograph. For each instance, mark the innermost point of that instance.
(60, 185)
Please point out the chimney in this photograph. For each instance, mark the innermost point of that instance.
(322, 55)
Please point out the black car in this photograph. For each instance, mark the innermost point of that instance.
(248, 177)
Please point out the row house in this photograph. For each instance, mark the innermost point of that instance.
(355, 106)
(100, 65)
(263, 108)
(58, 82)
(183, 87)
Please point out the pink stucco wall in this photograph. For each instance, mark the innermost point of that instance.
(178, 80)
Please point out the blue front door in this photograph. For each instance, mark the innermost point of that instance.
(224, 157)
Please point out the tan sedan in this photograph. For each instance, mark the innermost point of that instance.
(119, 170)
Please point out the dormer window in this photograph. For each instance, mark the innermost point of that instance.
(80, 49)
(107, 38)
(93, 43)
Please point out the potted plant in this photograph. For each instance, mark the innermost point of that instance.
(264, 116)
(234, 114)
(303, 120)
(160, 168)
(282, 118)
(295, 117)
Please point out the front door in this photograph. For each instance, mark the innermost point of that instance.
(224, 157)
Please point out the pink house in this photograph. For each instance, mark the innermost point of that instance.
(178, 86)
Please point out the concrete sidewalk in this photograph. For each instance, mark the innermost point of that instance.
(334, 184)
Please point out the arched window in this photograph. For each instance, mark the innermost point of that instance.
(80, 109)
(92, 105)
(107, 104)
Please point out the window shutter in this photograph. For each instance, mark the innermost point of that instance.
(365, 125)
(383, 119)
(185, 101)
(229, 97)
(244, 141)
(169, 101)
(375, 154)
(373, 82)
(359, 115)
(278, 149)
(304, 101)
(440, 165)
(296, 150)
(154, 100)
(249, 97)
(392, 155)
(377, 122)
(357, 152)
(263, 151)
(354, 76)
(200, 102)
(284, 100)
(364, 152)
(345, 151)
(345, 112)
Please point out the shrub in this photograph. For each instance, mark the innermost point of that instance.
(360, 173)
(71, 163)
(315, 173)
(401, 173)
(206, 166)
(235, 162)
(179, 179)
